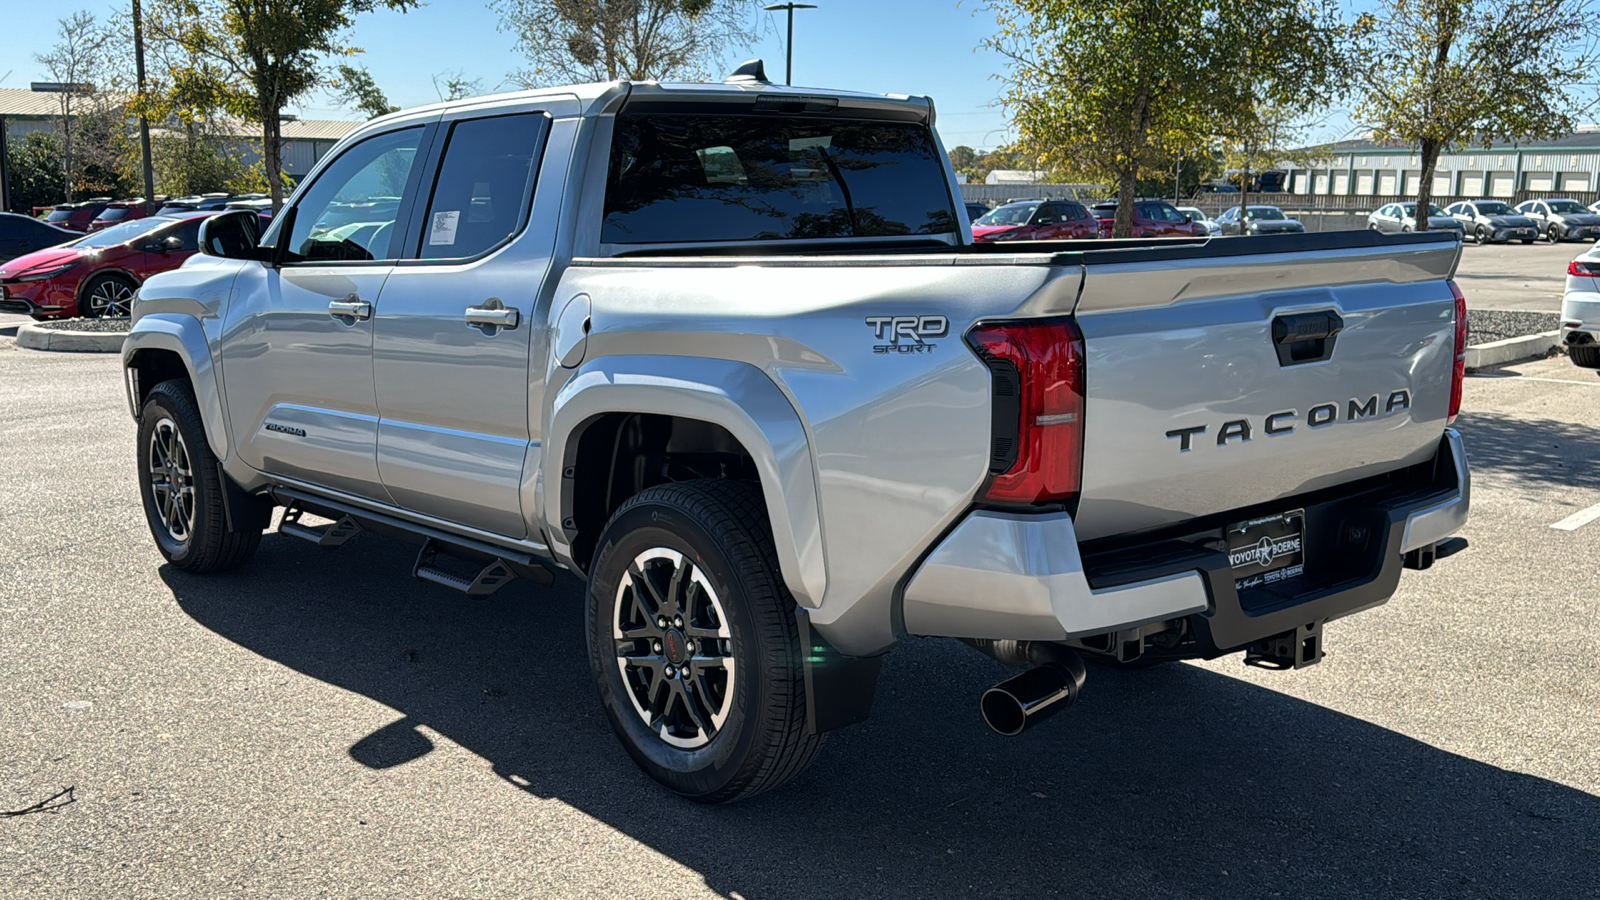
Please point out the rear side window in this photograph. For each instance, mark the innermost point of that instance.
(693, 178)
(485, 183)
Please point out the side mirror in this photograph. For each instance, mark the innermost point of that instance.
(235, 234)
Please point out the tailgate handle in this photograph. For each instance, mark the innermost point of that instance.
(1306, 337)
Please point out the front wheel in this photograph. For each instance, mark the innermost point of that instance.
(1481, 235)
(109, 295)
(181, 486)
(694, 644)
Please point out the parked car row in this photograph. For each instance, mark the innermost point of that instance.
(1040, 220)
(103, 212)
(1486, 221)
(93, 275)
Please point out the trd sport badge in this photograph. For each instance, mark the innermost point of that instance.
(907, 334)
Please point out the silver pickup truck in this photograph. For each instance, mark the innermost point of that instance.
(728, 353)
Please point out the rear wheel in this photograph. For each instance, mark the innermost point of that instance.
(108, 295)
(694, 645)
(1585, 355)
(181, 486)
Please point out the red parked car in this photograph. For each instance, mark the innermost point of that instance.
(97, 274)
(1036, 220)
(124, 211)
(77, 216)
(1151, 218)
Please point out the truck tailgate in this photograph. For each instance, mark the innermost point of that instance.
(1207, 390)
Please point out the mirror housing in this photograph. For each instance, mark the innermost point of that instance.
(235, 234)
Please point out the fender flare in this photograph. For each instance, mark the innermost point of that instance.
(186, 337)
(735, 395)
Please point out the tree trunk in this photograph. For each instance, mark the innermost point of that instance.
(271, 151)
(1430, 162)
(1244, 195)
(66, 153)
(1127, 182)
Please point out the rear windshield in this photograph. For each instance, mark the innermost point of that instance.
(690, 178)
(59, 215)
(112, 214)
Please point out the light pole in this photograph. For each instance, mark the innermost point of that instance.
(788, 47)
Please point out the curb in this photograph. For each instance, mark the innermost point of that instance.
(35, 338)
(1498, 353)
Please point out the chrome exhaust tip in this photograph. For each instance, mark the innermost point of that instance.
(1023, 701)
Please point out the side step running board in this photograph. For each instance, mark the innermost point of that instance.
(489, 579)
(333, 535)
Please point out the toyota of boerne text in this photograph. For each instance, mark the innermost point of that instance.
(728, 353)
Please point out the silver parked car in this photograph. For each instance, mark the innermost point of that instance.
(1493, 220)
(1397, 218)
(1197, 215)
(1560, 220)
(1263, 220)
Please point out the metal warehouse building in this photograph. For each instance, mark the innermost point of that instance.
(1569, 166)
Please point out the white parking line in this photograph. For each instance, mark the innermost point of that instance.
(1534, 378)
(1579, 519)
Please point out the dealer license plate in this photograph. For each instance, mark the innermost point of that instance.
(1266, 551)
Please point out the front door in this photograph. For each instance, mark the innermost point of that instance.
(455, 328)
(297, 342)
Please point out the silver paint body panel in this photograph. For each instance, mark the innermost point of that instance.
(869, 461)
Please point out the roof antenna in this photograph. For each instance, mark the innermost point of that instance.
(751, 71)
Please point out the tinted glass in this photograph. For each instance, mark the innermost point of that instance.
(1266, 212)
(677, 178)
(1567, 206)
(1010, 214)
(188, 233)
(1073, 212)
(349, 212)
(485, 183)
(114, 214)
(59, 215)
(1492, 208)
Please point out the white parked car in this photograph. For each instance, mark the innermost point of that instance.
(1580, 310)
(1195, 214)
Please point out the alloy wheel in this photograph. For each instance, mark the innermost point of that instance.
(673, 648)
(172, 480)
(111, 297)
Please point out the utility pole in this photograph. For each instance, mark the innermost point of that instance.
(144, 123)
(788, 48)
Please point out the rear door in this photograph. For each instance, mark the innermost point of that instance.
(456, 325)
(1197, 404)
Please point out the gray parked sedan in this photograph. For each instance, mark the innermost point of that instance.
(1493, 220)
(1263, 220)
(1561, 220)
(1401, 217)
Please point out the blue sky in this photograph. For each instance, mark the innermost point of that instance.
(886, 46)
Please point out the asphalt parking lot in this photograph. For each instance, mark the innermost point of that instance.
(319, 724)
(1516, 275)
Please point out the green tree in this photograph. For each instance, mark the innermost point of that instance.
(35, 170)
(1441, 74)
(1117, 90)
(606, 40)
(356, 88)
(456, 85)
(261, 55)
(962, 157)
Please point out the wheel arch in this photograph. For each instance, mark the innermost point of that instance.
(718, 409)
(162, 346)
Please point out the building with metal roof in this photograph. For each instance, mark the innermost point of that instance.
(1512, 170)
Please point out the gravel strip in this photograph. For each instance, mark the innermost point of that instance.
(99, 326)
(1485, 325)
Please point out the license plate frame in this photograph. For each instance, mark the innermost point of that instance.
(1268, 550)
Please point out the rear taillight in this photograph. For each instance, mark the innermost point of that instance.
(1036, 449)
(1458, 375)
(1580, 267)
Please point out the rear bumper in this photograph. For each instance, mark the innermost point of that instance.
(1022, 576)
(1580, 314)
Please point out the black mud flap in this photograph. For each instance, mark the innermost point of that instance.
(839, 688)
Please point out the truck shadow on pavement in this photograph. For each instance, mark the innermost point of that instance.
(1170, 782)
(1540, 450)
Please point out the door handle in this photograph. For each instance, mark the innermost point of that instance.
(350, 308)
(495, 316)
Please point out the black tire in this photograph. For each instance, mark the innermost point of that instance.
(202, 541)
(719, 528)
(1585, 356)
(108, 291)
(1481, 235)
(1405, 229)
(1555, 235)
